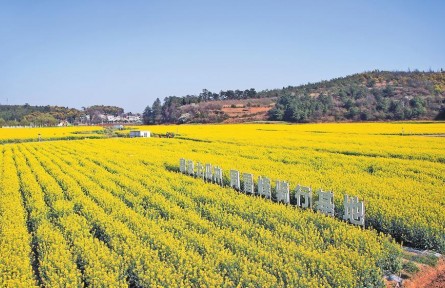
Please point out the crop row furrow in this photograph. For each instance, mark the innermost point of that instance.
(268, 243)
(15, 241)
(124, 231)
(96, 262)
(56, 265)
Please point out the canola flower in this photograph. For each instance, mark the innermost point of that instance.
(15, 241)
(399, 176)
(117, 212)
(11, 135)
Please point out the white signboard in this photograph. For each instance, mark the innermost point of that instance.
(264, 187)
(218, 175)
(234, 179)
(200, 170)
(190, 168)
(248, 183)
(325, 203)
(354, 210)
(303, 195)
(282, 191)
(182, 168)
(208, 173)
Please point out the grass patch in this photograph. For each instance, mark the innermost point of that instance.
(429, 260)
(410, 267)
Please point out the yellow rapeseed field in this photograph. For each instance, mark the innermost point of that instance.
(398, 169)
(116, 212)
(45, 133)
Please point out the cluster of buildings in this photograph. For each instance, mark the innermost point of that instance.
(109, 119)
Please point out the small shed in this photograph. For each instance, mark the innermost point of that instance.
(145, 134)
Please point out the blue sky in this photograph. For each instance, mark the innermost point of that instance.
(128, 53)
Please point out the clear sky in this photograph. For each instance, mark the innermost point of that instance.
(127, 53)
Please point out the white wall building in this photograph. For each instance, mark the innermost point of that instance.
(145, 134)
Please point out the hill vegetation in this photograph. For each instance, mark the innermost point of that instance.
(364, 97)
(190, 108)
(25, 115)
(368, 96)
(13, 115)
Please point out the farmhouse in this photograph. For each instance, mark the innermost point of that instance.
(145, 134)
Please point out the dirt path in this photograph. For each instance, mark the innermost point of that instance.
(431, 277)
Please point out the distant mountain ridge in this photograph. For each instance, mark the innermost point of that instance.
(367, 96)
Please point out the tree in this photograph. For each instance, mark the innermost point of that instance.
(276, 113)
(170, 111)
(157, 111)
(388, 91)
(418, 107)
(230, 95)
(147, 116)
(40, 119)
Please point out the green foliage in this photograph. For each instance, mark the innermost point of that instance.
(40, 119)
(13, 115)
(157, 111)
(410, 267)
(147, 115)
(368, 96)
(153, 114)
(429, 260)
(25, 115)
(301, 108)
(108, 110)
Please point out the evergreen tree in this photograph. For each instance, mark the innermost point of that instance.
(147, 116)
(157, 111)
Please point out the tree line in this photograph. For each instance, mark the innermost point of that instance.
(169, 112)
(369, 96)
(350, 105)
(26, 115)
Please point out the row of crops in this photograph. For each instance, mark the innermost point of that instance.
(400, 177)
(15, 135)
(82, 213)
(117, 212)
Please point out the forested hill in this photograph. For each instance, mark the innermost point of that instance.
(25, 115)
(368, 96)
(376, 95)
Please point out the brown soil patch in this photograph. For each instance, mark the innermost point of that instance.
(431, 277)
(246, 114)
(241, 111)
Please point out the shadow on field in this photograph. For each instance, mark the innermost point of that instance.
(171, 168)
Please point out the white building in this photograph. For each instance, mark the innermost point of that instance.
(112, 118)
(134, 118)
(145, 134)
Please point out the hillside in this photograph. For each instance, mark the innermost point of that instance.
(368, 96)
(363, 97)
(227, 111)
(26, 115)
(13, 115)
